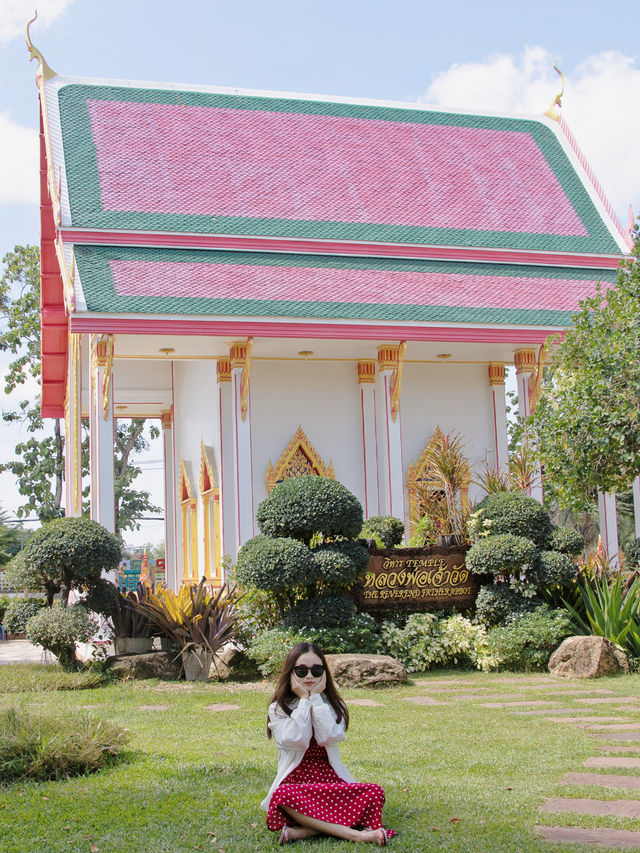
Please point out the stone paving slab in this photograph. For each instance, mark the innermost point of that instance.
(602, 808)
(617, 735)
(153, 707)
(617, 727)
(369, 703)
(625, 839)
(603, 780)
(603, 700)
(557, 711)
(426, 682)
(565, 692)
(581, 721)
(222, 706)
(613, 761)
(613, 747)
(423, 700)
(530, 703)
(501, 697)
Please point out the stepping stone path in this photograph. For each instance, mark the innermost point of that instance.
(613, 761)
(153, 707)
(602, 780)
(222, 706)
(625, 839)
(616, 808)
(423, 700)
(369, 703)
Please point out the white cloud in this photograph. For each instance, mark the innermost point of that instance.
(599, 105)
(19, 167)
(14, 15)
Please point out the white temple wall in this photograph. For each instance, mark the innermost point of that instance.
(453, 397)
(195, 421)
(321, 397)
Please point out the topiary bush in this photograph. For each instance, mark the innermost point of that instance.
(497, 602)
(65, 553)
(18, 613)
(553, 569)
(5, 601)
(385, 529)
(527, 641)
(360, 635)
(329, 612)
(517, 514)
(566, 540)
(632, 555)
(303, 507)
(270, 648)
(58, 629)
(339, 563)
(500, 555)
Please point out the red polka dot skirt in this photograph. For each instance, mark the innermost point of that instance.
(314, 789)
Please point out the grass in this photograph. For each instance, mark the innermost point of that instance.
(458, 777)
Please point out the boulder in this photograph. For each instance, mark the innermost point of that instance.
(587, 657)
(366, 670)
(233, 662)
(163, 665)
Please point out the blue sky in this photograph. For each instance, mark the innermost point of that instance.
(478, 55)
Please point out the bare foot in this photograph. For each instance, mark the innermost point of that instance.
(295, 833)
(374, 836)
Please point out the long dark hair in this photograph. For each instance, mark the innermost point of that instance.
(284, 695)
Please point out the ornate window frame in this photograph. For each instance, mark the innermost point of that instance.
(189, 505)
(298, 444)
(210, 494)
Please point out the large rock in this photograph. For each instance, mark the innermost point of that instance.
(231, 662)
(162, 665)
(587, 657)
(366, 670)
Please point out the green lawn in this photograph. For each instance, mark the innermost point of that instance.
(457, 776)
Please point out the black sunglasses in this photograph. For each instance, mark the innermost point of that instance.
(316, 670)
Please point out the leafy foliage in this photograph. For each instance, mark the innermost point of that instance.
(279, 564)
(385, 529)
(57, 629)
(305, 507)
(440, 492)
(553, 569)
(612, 611)
(42, 748)
(527, 641)
(339, 563)
(567, 540)
(121, 607)
(5, 601)
(358, 636)
(501, 555)
(18, 613)
(497, 602)
(330, 612)
(518, 514)
(586, 422)
(270, 648)
(427, 641)
(65, 553)
(632, 555)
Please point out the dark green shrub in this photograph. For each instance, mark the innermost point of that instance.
(632, 555)
(18, 613)
(518, 514)
(566, 540)
(496, 603)
(5, 601)
(43, 748)
(65, 553)
(270, 648)
(275, 563)
(58, 629)
(359, 636)
(529, 640)
(302, 507)
(552, 569)
(340, 562)
(385, 529)
(504, 554)
(330, 612)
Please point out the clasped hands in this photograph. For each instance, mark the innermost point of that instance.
(300, 689)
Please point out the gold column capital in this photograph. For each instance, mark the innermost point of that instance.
(237, 354)
(525, 360)
(496, 373)
(166, 418)
(223, 370)
(366, 371)
(388, 357)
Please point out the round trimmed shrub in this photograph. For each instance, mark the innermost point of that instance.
(359, 636)
(18, 613)
(497, 603)
(301, 507)
(552, 568)
(566, 540)
(517, 514)
(275, 563)
(385, 529)
(501, 555)
(340, 562)
(58, 629)
(329, 612)
(632, 555)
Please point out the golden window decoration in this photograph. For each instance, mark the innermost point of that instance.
(189, 506)
(300, 458)
(210, 494)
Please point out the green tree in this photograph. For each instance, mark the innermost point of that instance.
(38, 465)
(9, 539)
(587, 422)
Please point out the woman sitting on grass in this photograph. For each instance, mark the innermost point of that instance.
(313, 792)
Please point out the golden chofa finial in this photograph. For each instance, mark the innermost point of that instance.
(47, 73)
(552, 112)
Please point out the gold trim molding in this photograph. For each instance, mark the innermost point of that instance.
(525, 360)
(366, 371)
(299, 450)
(223, 370)
(496, 373)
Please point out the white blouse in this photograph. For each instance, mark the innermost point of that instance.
(292, 734)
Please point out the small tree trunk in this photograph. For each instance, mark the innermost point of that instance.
(59, 451)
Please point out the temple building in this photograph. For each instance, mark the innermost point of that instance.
(297, 284)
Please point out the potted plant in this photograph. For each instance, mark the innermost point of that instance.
(198, 622)
(132, 631)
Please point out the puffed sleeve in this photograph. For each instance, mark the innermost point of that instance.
(291, 732)
(325, 728)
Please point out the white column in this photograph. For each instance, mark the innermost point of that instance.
(367, 388)
(241, 421)
(499, 412)
(171, 564)
(636, 506)
(390, 464)
(608, 519)
(525, 361)
(101, 440)
(73, 430)
(225, 442)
